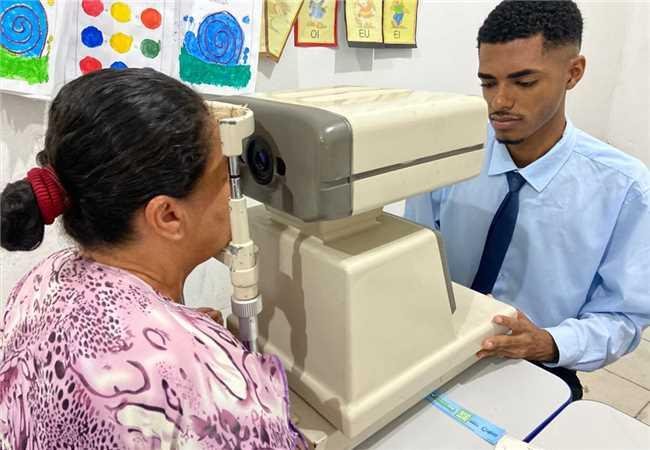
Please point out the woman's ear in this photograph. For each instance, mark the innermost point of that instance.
(165, 217)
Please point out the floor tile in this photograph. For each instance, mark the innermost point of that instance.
(635, 366)
(644, 415)
(608, 388)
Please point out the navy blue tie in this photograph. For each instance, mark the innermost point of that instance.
(499, 236)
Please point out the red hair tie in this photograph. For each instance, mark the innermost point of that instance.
(49, 193)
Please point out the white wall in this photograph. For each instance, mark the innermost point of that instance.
(444, 60)
(628, 125)
(611, 103)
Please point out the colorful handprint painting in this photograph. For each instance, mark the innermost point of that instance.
(220, 45)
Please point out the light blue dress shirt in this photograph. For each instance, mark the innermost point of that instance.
(578, 264)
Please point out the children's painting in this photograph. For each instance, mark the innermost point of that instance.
(29, 41)
(280, 17)
(363, 21)
(316, 24)
(400, 22)
(220, 45)
(120, 34)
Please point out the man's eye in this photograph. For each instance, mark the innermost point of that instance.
(487, 84)
(526, 84)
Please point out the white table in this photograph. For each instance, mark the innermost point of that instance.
(589, 425)
(512, 394)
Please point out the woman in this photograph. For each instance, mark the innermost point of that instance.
(96, 351)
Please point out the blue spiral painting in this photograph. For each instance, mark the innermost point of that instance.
(23, 27)
(219, 40)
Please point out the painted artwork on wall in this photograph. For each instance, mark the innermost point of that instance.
(29, 41)
(363, 21)
(400, 23)
(316, 24)
(220, 45)
(120, 34)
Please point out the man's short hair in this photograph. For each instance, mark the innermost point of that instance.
(558, 21)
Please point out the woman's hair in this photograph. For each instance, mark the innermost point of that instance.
(116, 139)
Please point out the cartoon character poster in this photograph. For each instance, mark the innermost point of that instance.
(316, 24)
(363, 20)
(400, 22)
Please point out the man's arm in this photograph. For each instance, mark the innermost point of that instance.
(598, 339)
(612, 320)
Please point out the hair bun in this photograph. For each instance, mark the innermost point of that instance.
(22, 226)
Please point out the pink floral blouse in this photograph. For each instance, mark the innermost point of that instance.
(91, 357)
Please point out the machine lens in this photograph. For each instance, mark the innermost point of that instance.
(260, 160)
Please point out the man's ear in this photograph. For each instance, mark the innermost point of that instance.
(165, 217)
(576, 71)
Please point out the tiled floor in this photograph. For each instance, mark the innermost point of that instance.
(625, 385)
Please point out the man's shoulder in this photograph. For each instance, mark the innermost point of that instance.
(610, 161)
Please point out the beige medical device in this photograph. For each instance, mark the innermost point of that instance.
(358, 303)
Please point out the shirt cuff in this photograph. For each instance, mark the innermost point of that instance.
(566, 340)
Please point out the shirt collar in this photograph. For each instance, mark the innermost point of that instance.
(540, 172)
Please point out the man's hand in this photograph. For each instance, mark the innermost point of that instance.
(525, 342)
(212, 313)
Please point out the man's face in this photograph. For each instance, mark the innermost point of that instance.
(524, 85)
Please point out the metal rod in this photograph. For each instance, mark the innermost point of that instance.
(235, 180)
(248, 332)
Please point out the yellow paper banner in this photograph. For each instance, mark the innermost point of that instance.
(263, 44)
(280, 16)
(316, 24)
(400, 22)
(363, 22)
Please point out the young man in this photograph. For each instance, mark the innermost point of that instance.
(558, 223)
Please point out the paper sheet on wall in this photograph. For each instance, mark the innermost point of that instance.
(280, 17)
(363, 23)
(400, 23)
(32, 36)
(316, 24)
(212, 45)
(121, 34)
(263, 38)
(219, 45)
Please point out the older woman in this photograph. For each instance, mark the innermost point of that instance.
(96, 351)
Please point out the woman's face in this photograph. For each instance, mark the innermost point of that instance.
(207, 206)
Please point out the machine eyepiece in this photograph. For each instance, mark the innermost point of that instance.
(260, 160)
